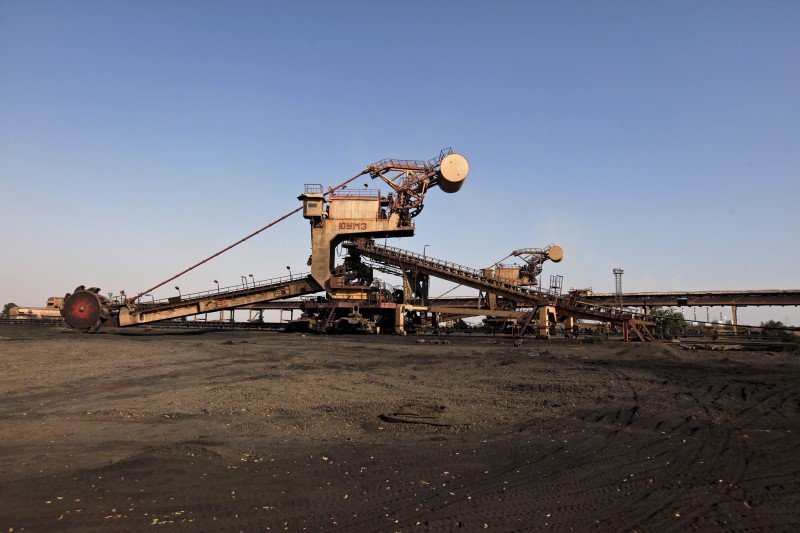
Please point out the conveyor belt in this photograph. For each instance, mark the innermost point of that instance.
(471, 277)
(277, 289)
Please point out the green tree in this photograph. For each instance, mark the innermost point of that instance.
(774, 328)
(669, 323)
(7, 309)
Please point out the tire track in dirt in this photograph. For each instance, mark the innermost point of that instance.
(270, 434)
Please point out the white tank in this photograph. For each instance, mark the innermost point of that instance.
(453, 172)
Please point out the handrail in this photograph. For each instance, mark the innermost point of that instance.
(469, 272)
(241, 288)
(357, 193)
(449, 266)
(403, 164)
(410, 164)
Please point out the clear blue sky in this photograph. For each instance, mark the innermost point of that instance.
(136, 138)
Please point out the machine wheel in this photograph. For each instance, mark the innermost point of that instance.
(85, 309)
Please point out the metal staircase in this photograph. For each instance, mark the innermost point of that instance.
(325, 324)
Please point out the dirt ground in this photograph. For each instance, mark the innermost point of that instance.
(133, 430)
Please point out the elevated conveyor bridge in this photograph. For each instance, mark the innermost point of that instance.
(206, 302)
(525, 297)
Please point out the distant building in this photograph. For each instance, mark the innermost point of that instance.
(52, 310)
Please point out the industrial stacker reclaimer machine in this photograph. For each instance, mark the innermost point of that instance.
(354, 301)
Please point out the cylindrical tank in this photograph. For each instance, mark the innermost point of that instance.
(555, 253)
(453, 171)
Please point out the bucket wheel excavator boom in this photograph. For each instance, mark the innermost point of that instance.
(346, 215)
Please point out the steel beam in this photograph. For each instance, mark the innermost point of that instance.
(699, 298)
(135, 315)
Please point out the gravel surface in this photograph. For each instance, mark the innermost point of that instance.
(127, 430)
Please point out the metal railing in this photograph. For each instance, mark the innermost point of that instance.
(410, 164)
(357, 193)
(29, 321)
(446, 266)
(435, 161)
(401, 164)
(238, 289)
(554, 297)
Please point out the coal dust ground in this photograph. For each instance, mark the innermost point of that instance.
(146, 430)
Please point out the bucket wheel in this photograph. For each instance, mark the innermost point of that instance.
(85, 309)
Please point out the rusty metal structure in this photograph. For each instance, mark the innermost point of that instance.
(352, 218)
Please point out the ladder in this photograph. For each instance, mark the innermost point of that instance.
(325, 324)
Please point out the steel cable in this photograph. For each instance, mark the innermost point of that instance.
(240, 241)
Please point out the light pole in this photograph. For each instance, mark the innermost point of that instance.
(250, 313)
(424, 248)
(290, 271)
(244, 281)
(221, 312)
(180, 296)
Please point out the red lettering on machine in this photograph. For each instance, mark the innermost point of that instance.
(353, 226)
